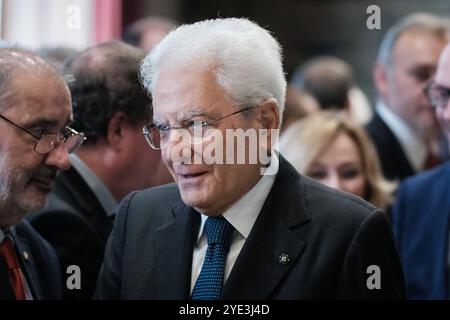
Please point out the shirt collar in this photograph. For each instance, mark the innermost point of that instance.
(414, 147)
(242, 214)
(5, 232)
(104, 196)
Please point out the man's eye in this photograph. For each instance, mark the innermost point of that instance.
(422, 74)
(39, 132)
(162, 127)
(195, 123)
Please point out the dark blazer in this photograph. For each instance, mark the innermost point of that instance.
(393, 159)
(38, 262)
(330, 237)
(75, 224)
(420, 219)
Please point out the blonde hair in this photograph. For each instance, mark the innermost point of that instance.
(302, 143)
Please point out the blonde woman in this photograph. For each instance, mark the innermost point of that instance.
(332, 149)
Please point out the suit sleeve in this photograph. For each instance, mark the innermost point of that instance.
(371, 268)
(109, 279)
(76, 243)
(398, 211)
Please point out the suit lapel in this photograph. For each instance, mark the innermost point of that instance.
(83, 197)
(272, 246)
(27, 264)
(393, 150)
(174, 243)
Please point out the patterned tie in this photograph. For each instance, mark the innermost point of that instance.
(15, 274)
(209, 284)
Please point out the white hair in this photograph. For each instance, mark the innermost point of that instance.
(245, 59)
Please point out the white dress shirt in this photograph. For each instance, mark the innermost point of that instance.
(414, 147)
(242, 216)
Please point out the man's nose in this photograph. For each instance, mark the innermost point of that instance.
(178, 147)
(58, 158)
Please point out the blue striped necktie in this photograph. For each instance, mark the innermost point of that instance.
(209, 284)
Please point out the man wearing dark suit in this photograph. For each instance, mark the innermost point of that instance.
(240, 228)
(38, 262)
(77, 225)
(35, 111)
(404, 128)
(110, 107)
(421, 215)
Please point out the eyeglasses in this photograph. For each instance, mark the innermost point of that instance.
(155, 133)
(437, 95)
(47, 141)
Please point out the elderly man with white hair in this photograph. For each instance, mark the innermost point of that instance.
(232, 227)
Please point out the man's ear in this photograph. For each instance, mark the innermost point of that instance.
(115, 129)
(380, 79)
(269, 119)
(269, 115)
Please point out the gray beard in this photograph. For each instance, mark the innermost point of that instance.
(12, 208)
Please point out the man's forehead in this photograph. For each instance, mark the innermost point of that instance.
(185, 113)
(43, 97)
(419, 47)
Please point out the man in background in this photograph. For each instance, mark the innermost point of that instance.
(146, 33)
(421, 215)
(111, 107)
(404, 128)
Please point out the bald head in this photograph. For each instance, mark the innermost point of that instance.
(443, 71)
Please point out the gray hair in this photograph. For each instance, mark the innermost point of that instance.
(17, 59)
(245, 58)
(423, 22)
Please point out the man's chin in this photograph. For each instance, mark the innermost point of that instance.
(33, 199)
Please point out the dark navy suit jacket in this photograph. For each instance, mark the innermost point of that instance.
(76, 225)
(421, 226)
(393, 160)
(38, 262)
(331, 238)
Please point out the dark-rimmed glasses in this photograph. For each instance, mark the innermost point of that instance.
(155, 132)
(47, 141)
(437, 95)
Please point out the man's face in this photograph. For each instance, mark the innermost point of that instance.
(147, 170)
(178, 96)
(414, 59)
(442, 81)
(41, 101)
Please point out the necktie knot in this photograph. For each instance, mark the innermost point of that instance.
(218, 231)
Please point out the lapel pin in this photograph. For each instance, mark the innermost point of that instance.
(26, 256)
(284, 258)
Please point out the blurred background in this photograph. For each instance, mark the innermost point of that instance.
(305, 28)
